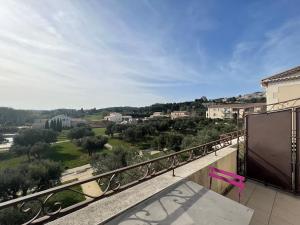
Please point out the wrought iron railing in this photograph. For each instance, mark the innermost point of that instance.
(273, 107)
(40, 208)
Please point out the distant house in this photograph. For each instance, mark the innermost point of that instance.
(39, 123)
(158, 115)
(179, 114)
(229, 111)
(118, 118)
(114, 117)
(283, 86)
(65, 120)
(127, 119)
(76, 121)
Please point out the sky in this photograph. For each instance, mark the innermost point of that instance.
(86, 53)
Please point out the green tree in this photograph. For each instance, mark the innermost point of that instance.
(2, 139)
(39, 149)
(21, 150)
(116, 158)
(109, 129)
(47, 124)
(52, 125)
(59, 125)
(28, 178)
(80, 132)
(29, 137)
(92, 144)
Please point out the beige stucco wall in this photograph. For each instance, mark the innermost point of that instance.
(227, 163)
(283, 91)
(217, 113)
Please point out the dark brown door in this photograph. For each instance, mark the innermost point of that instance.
(298, 151)
(269, 148)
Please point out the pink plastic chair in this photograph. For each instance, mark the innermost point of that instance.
(229, 177)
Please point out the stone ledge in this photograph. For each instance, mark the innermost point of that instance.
(106, 208)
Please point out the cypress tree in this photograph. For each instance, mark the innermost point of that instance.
(59, 126)
(55, 125)
(47, 124)
(52, 125)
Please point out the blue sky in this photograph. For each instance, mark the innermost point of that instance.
(75, 54)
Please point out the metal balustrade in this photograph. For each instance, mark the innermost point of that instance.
(44, 209)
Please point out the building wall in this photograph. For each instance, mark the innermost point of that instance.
(114, 117)
(283, 91)
(39, 124)
(220, 113)
(227, 163)
(179, 114)
(65, 120)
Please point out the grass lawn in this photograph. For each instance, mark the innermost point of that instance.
(112, 141)
(118, 142)
(9, 160)
(68, 198)
(63, 135)
(94, 117)
(69, 155)
(99, 131)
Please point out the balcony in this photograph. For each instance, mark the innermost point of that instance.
(117, 201)
(103, 210)
(271, 206)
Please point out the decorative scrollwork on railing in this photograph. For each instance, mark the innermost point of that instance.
(56, 206)
(43, 204)
(36, 210)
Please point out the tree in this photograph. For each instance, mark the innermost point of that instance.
(109, 129)
(29, 177)
(117, 158)
(2, 139)
(29, 137)
(92, 144)
(52, 125)
(38, 149)
(80, 132)
(59, 125)
(21, 150)
(47, 124)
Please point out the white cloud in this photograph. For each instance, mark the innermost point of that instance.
(65, 54)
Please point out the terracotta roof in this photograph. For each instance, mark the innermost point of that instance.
(237, 105)
(286, 75)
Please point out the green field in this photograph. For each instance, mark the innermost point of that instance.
(63, 135)
(69, 155)
(99, 131)
(68, 198)
(9, 160)
(117, 142)
(94, 117)
(113, 141)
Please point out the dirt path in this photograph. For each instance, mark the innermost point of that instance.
(80, 173)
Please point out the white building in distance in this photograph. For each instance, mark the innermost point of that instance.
(158, 115)
(179, 114)
(118, 118)
(229, 111)
(65, 120)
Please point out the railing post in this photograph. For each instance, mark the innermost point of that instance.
(238, 142)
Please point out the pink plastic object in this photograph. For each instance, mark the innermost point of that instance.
(229, 177)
